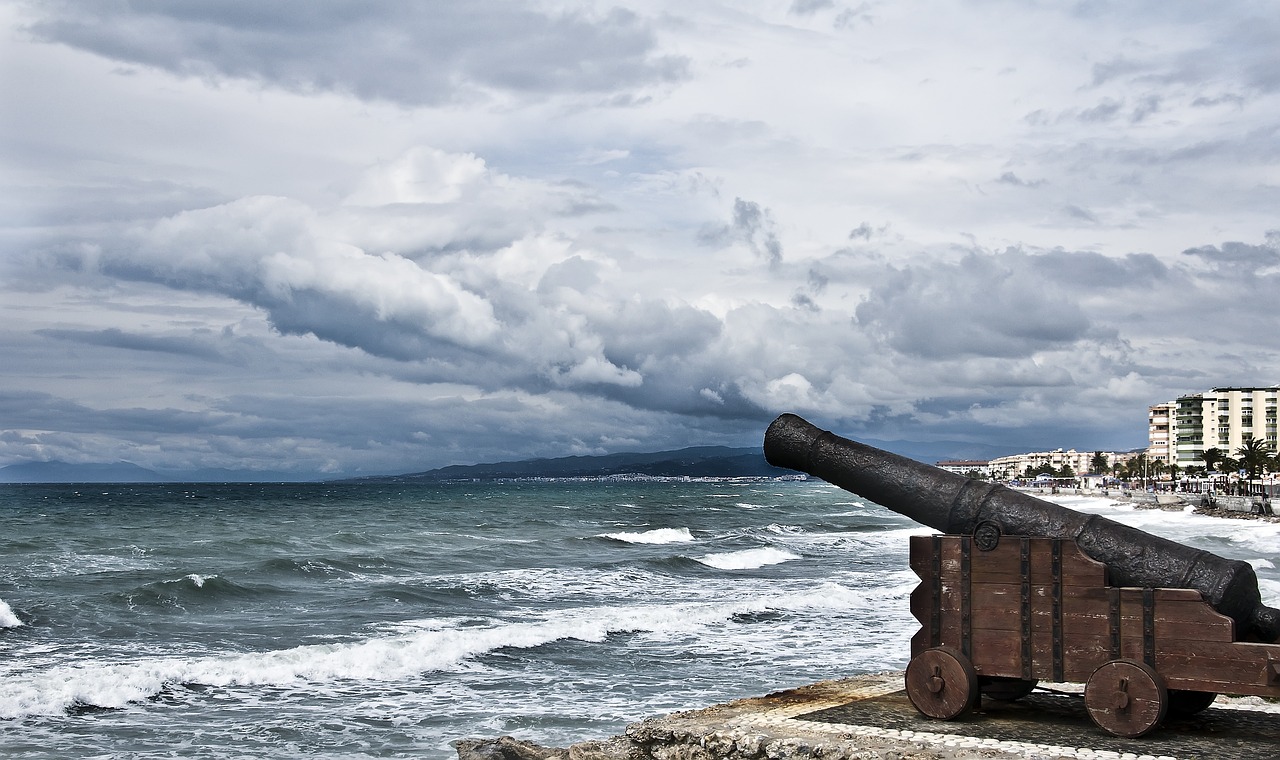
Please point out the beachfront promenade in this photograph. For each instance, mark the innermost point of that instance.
(869, 716)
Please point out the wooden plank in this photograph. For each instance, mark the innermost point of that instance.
(1175, 609)
(1004, 563)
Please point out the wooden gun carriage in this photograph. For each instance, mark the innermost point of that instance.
(1000, 613)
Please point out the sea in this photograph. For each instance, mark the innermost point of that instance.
(362, 619)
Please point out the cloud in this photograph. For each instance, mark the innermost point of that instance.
(1236, 258)
(346, 236)
(409, 53)
(268, 252)
(753, 226)
(982, 306)
(116, 338)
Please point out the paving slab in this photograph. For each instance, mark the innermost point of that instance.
(869, 717)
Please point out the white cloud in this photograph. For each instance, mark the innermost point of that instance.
(567, 227)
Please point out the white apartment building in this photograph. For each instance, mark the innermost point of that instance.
(1224, 418)
(1013, 466)
(1161, 442)
(966, 466)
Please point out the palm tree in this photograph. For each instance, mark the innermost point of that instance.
(1211, 458)
(1254, 456)
(1098, 463)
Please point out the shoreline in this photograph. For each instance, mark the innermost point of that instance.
(1228, 507)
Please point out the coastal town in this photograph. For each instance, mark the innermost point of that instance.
(1220, 441)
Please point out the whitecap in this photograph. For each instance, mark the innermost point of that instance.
(7, 617)
(437, 646)
(196, 579)
(655, 536)
(747, 559)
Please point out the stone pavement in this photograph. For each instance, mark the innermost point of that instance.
(1054, 720)
(870, 717)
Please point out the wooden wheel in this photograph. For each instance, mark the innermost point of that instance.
(1005, 689)
(1183, 703)
(942, 683)
(1126, 698)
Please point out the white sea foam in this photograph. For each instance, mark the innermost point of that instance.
(196, 579)
(430, 645)
(7, 618)
(747, 559)
(656, 536)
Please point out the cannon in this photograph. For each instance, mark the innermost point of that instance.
(1017, 590)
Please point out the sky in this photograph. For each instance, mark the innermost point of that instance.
(349, 238)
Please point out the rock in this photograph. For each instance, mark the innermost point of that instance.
(506, 748)
(617, 748)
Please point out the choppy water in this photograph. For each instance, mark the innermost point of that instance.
(349, 620)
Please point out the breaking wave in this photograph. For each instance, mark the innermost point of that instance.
(656, 536)
(7, 617)
(412, 648)
(747, 559)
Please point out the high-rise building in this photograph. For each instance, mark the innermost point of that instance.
(1223, 418)
(1161, 443)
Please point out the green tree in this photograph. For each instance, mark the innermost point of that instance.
(1255, 457)
(1212, 457)
(1042, 469)
(1098, 463)
(1138, 467)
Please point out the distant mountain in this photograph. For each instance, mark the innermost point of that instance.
(699, 461)
(66, 472)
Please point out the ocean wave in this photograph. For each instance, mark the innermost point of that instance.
(437, 645)
(656, 536)
(7, 617)
(747, 559)
(190, 589)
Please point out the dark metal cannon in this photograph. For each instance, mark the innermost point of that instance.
(1151, 627)
(955, 504)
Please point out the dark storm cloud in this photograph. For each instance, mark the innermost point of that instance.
(1088, 271)
(114, 338)
(418, 53)
(1239, 258)
(753, 226)
(981, 306)
(35, 411)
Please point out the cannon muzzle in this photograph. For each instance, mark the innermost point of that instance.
(952, 503)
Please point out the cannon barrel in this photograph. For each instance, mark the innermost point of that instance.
(955, 504)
